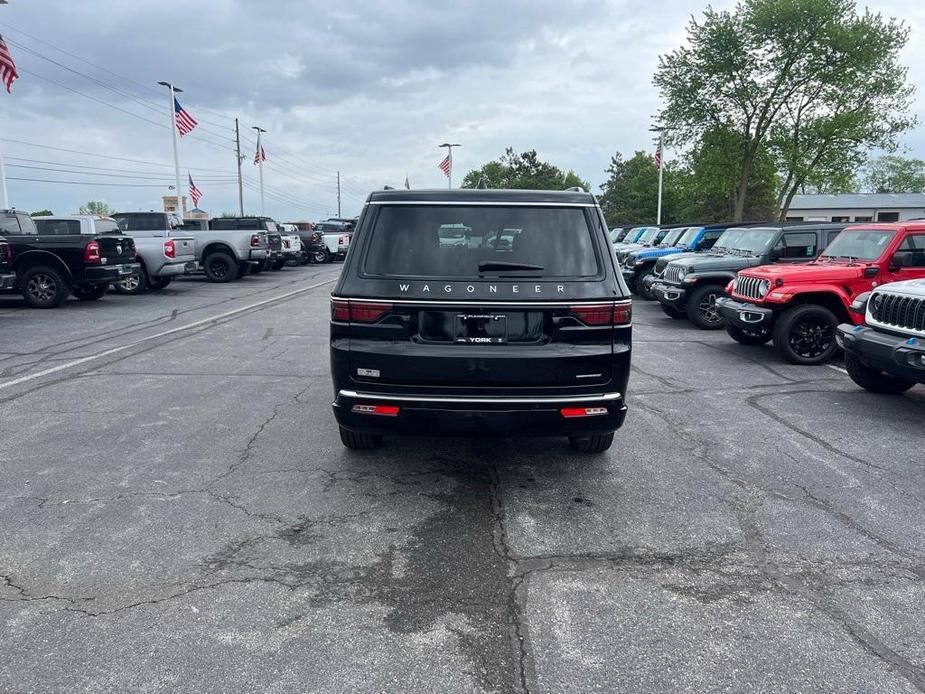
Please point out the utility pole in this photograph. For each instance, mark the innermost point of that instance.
(237, 146)
(259, 157)
(449, 156)
(176, 138)
(338, 193)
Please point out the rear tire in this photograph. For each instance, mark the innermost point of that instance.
(805, 335)
(159, 283)
(44, 287)
(748, 337)
(279, 264)
(243, 270)
(322, 256)
(641, 286)
(701, 307)
(596, 443)
(360, 441)
(91, 292)
(220, 267)
(874, 380)
(672, 312)
(137, 283)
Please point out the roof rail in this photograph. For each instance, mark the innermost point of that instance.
(576, 189)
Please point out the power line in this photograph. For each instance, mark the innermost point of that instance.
(137, 175)
(95, 183)
(108, 168)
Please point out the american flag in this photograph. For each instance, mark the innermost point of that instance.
(445, 166)
(261, 154)
(7, 67)
(185, 122)
(658, 156)
(194, 192)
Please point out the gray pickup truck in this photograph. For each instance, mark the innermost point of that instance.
(223, 254)
(162, 254)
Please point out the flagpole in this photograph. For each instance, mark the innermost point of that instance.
(449, 156)
(661, 168)
(260, 169)
(4, 197)
(176, 146)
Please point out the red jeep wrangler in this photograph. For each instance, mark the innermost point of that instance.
(800, 306)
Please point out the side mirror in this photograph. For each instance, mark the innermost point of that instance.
(898, 261)
(776, 254)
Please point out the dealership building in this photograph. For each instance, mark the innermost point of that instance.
(857, 207)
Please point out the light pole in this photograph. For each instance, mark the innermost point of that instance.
(259, 157)
(449, 156)
(660, 161)
(175, 135)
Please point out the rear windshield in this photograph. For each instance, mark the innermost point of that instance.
(106, 226)
(861, 245)
(481, 241)
(141, 222)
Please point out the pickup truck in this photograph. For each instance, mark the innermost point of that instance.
(799, 307)
(161, 254)
(261, 225)
(886, 354)
(53, 265)
(638, 266)
(223, 254)
(336, 238)
(292, 245)
(7, 276)
(691, 285)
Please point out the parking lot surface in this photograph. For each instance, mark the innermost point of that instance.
(178, 515)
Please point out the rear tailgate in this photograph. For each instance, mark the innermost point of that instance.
(185, 245)
(116, 249)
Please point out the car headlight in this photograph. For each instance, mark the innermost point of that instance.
(764, 287)
(873, 303)
(682, 274)
(735, 284)
(640, 261)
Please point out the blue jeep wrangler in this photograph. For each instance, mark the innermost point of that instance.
(638, 265)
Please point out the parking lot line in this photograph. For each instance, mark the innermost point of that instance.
(837, 368)
(172, 331)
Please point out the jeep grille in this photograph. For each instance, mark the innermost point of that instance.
(673, 274)
(752, 287)
(897, 310)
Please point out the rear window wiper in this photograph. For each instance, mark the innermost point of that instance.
(503, 265)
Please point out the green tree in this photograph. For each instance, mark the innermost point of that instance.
(524, 171)
(630, 194)
(892, 174)
(799, 78)
(96, 207)
(42, 213)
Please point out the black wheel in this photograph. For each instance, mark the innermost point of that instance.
(259, 267)
(874, 380)
(596, 443)
(359, 441)
(44, 287)
(136, 283)
(322, 256)
(758, 336)
(243, 270)
(159, 283)
(701, 307)
(641, 286)
(220, 267)
(805, 334)
(672, 312)
(91, 292)
(279, 264)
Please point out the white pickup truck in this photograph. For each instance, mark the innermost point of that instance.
(336, 237)
(162, 254)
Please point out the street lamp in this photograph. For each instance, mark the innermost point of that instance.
(449, 156)
(659, 156)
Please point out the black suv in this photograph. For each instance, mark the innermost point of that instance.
(480, 312)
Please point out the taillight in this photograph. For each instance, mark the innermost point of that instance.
(603, 314)
(341, 240)
(255, 240)
(383, 410)
(170, 249)
(286, 243)
(573, 412)
(92, 253)
(358, 311)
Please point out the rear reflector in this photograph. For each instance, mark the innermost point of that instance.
(384, 410)
(573, 412)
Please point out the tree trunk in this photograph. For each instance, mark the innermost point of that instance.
(785, 206)
(742, 190)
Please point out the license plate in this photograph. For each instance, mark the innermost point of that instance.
(481, 328)
(123, 271)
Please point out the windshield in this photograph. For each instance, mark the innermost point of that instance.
(728, 240)
(862, 244)
(634, 235)
(479, 241)
(754, 241)
(650, 235)
(616, 235)
(671, 238)
(687, 238)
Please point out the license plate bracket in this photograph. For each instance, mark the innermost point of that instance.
(481, 328)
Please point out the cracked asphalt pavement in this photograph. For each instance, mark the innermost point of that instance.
(178, 515)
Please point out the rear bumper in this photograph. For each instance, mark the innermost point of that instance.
(480, 416)
(744, 315)
(258, 254)
(108, 273)
(178, 268)
(7, 280)
(669, 294)
(900, 356)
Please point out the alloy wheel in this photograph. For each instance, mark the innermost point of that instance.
(130, 283)
(42, 287)
(708, 308)
(811, 337)
(218, 269)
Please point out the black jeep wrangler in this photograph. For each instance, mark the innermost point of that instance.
(480, 312)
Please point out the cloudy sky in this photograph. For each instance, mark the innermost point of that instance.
(367, 88)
